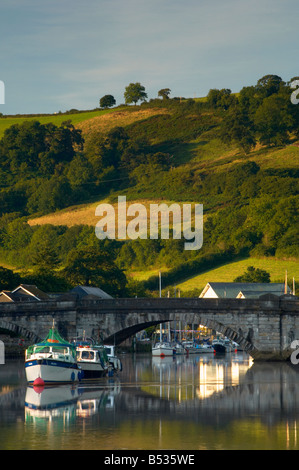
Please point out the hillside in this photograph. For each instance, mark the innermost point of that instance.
(162, 151)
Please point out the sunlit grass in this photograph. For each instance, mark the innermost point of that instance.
(227, 273)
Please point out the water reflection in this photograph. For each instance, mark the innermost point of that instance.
(66, 402)
(231, 384)
(196, 402)
(198, 376)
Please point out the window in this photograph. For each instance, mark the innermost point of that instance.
(87, 355)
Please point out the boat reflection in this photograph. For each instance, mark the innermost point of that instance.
(66, 402)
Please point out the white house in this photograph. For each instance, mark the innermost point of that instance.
(242, 290)
(23, 293)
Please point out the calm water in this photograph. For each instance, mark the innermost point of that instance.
(187, 403)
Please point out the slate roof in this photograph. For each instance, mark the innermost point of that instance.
(30, 290)
(90, 292)
(23, 293)
(6, 296)
(249, 289)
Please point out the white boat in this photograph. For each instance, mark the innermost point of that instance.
(180, 349)
(52, 361)
(163, 349)
(206, 348)
(93, 361)
(222, 345)
(102, 354)
(112, 358)
(191, 347)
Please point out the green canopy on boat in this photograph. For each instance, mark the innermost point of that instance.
(54, 340)
(54, 337)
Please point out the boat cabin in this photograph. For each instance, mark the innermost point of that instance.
(90, 355)
(50, 352)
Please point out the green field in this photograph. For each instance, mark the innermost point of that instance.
(227, 273)
(57, 119)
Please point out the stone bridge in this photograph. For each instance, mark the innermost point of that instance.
(264, 327)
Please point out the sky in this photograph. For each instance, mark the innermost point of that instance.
(56, 55)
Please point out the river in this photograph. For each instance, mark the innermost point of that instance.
(196, 402)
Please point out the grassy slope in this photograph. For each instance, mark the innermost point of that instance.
(204, 153)
(227, 273)
(57, 119)
(84, 214)
(88, 121)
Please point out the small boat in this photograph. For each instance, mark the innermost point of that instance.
(163, 349)
(222, 345)
(52, 361)
(93, 361)
(206, 348)
(180, 349)
(112, 358)
(96, 360)
(191, 347)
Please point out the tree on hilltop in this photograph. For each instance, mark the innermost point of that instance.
(107, 101)
(164, 93)
(134, 92)
(268, 85)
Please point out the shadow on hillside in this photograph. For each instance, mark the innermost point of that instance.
(182, 152)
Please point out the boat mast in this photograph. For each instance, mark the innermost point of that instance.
(160, 294)
(53, 326)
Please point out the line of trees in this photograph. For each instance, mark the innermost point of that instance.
(262, 113)
(134, 92)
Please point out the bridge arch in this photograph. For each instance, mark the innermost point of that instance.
(237, 336)
(19, 330)
(125, 333)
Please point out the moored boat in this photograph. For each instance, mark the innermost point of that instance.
(93, 361)
(96, 360)
(206, 348)
(112, 358)
(52, 361)
(191, 347)
(222, 345)
(163, 349)
(180, 349)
